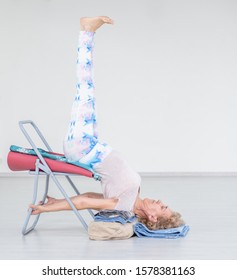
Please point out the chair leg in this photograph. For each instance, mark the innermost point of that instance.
(26, 230)
(77, 192)
(69, 201)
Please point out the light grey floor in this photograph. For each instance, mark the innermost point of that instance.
(208, 205)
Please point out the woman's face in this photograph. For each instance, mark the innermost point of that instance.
(156, 209)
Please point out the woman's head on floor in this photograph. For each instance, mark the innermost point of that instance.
(156, 215)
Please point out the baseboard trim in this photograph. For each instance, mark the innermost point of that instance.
(188, 174)
(142, 174)
(16, 174)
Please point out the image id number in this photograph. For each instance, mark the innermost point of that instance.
(154, 270)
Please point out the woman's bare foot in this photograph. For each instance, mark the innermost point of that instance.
(93, 23)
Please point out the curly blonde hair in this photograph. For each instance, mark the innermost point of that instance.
(173, 221)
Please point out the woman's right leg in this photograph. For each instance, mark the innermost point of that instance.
(81, 136)
(81, 142)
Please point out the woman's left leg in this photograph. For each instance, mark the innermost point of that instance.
(81, 142)
(81, 136)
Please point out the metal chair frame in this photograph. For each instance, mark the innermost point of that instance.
(42, 168)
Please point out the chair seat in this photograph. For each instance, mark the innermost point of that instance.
(25, 162)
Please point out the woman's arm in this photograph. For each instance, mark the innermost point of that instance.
(83, 202)
(92, 195)
(80, 201)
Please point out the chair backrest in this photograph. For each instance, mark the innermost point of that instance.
(22, 162)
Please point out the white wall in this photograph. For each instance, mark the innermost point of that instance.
(165, 74)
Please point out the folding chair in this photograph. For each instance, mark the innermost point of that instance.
(40, 162)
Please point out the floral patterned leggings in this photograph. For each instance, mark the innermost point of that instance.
(81, 141)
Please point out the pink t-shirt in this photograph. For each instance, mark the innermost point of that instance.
(119, 180)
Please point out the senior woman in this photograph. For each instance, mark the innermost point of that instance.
(120, 183)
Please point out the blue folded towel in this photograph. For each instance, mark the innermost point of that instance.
(142, 231)
(119, 216)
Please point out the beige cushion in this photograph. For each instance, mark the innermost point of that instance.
(110, 230)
